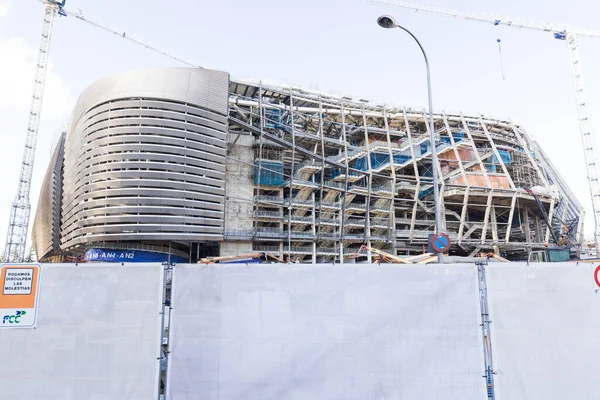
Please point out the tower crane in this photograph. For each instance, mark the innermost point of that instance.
(18, 224)
(566, 33)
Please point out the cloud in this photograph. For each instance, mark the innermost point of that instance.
(17, 68)
(16, 80)
(4, 6)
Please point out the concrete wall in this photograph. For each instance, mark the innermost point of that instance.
(239, 192)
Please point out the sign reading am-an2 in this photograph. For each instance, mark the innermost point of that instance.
(18, 298)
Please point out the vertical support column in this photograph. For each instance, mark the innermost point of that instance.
(550, 216)
(441, 182)
(494, 230)
(527, 229)
(463, 214)
(165, 330)
(486, 218)
(392, 216)
(417, 179)
(322, 164)
(485, 332)
(343, 110)
(291, 198)
(510, 217)
(369, 182)
(260, 157)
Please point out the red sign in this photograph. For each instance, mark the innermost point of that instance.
(440, 242)
(596, 275)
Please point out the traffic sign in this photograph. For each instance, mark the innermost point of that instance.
(596, 277)
(440, 242)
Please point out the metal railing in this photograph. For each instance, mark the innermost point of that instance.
(378, 144)
(379, 223)
(298, 218)
(356, 206)
(263, 213)
(299, 202)
(329, 204)
(266, 249)
(272, 199)
(354, 222)
(330, 221)
(298, 249)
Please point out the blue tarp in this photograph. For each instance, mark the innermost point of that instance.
(425, 192)
(504, 155)
(111, 255)
(379, 159)
(271, 173)
(272, 118)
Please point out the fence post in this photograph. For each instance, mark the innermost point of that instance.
(163, 356)
(485, 330)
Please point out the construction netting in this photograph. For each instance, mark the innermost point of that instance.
(269, 173)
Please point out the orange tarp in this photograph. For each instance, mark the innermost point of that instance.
(497, 181)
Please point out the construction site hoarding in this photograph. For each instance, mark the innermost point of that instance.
(97, 336)
(325, 332)
(545, 330)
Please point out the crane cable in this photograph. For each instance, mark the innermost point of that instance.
(123, 34)
(501, 60)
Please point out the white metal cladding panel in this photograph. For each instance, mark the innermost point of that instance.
(325, 332)
(202, 87)
(97, 336)
(545, 331)
(196, 105)
(46, 226)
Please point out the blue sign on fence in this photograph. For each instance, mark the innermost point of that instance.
(112, 255)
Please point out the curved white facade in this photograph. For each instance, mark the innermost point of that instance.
(145, 158)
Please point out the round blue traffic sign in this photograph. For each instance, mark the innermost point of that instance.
(440, 242)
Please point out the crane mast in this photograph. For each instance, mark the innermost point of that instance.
(585, 128)
(18, 225)
(562, 32)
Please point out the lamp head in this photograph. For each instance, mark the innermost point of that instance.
(387, 22)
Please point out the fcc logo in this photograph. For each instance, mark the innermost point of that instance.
(13, 319)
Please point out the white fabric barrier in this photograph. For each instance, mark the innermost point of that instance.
(545, 331)
(97, 337)
(296, 332)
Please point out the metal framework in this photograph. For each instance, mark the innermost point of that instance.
(356, 173)
(561, 32)
(18, 225)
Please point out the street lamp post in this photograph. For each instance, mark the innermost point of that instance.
(388, 22)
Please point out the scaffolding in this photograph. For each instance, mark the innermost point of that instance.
(333, 174)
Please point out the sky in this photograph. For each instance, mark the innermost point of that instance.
(330, 45)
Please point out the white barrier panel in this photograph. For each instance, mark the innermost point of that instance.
(545, 331)
(325, 332)
(97, 336)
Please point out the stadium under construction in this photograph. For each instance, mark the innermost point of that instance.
(185, 163)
